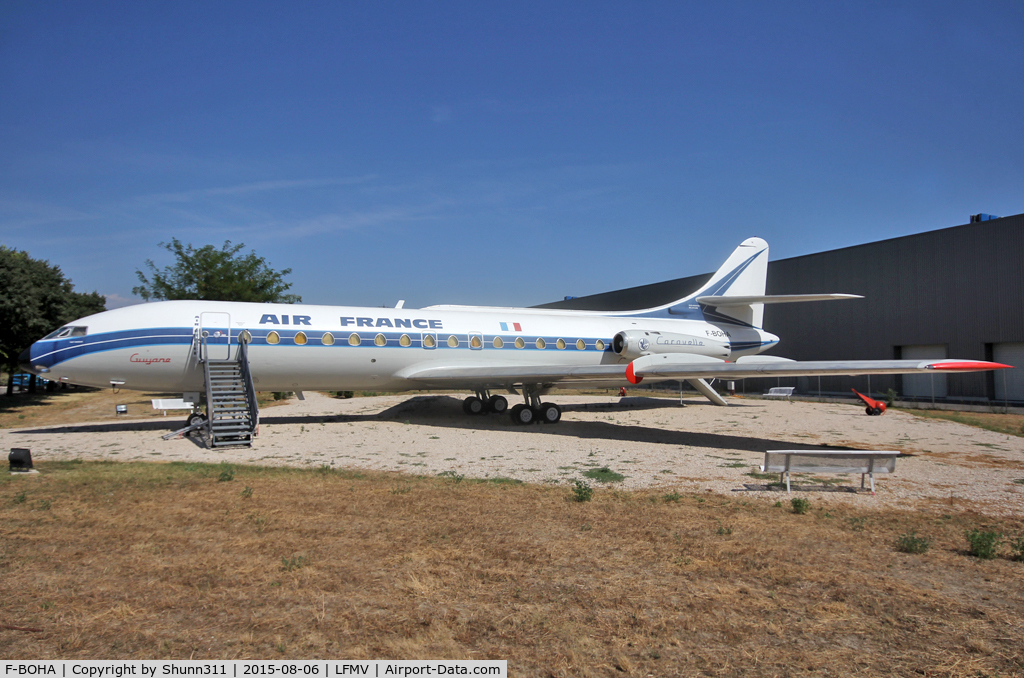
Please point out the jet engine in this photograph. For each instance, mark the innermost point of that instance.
(631, 344)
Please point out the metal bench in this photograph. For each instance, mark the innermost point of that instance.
(864, 462)
(171, 404)
(780, 392)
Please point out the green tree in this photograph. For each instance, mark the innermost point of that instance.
(35, 299)
(210, 274)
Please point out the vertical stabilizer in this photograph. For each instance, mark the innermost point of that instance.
(742, 275)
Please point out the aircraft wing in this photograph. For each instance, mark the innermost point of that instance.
(676, 366)
(504, 375)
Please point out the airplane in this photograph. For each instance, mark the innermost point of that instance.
(715, 332)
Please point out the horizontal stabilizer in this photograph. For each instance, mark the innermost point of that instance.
(723, 301)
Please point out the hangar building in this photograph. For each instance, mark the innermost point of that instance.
(955, 292)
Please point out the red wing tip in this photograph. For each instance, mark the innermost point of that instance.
(970, 365)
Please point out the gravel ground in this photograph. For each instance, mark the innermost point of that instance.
(654, 443)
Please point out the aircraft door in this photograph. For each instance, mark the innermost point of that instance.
(216, 328)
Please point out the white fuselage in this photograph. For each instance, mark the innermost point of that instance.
(155, 346)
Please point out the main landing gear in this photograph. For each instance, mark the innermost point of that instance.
(532, 412)
(547, 413)
(484, 403)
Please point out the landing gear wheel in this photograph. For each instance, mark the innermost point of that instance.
(473, 405)
(195, 419)
(497, 404)
(876, 411)
(521, 414)
(550, 413)
(869, 410)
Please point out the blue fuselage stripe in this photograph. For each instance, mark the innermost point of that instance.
(54, 352)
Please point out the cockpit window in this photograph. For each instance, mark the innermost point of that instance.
(65, 332)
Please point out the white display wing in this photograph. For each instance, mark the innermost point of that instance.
(670, 366)
(432, 375)
(675, 366)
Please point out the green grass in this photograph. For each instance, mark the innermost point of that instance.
(983, 544)
(604, 475)
(582, 491)
(501, 480)
(911, 543)
(293, 563)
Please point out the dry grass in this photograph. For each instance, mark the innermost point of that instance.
(1010, 424)
(165, 561)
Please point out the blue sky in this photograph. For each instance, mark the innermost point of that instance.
(497, 153)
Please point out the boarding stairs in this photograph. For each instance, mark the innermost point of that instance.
(233, 416)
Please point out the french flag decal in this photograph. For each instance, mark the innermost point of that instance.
(516, 327)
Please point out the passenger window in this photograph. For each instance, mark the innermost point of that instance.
(453, 341)
(560, 344)
(354, 340)
(520, 343)
(380, 340)
(498, 342)
(327, 339)
(474, 342)
(244, 336)
(273, 337)
(581, 345)
(541, 343)
(404, 340)
(599, 345)
(429, 341)
(300, 338)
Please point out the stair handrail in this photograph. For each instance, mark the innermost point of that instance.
(209, 387)
(250, 391)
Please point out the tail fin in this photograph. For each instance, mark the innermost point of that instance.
(735, 293)
(742, 275)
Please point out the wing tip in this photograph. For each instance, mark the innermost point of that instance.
(968, 366)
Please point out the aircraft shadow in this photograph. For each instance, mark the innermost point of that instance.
(113, 427)
(446, 411)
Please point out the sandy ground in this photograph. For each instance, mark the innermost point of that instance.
(653, 442)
